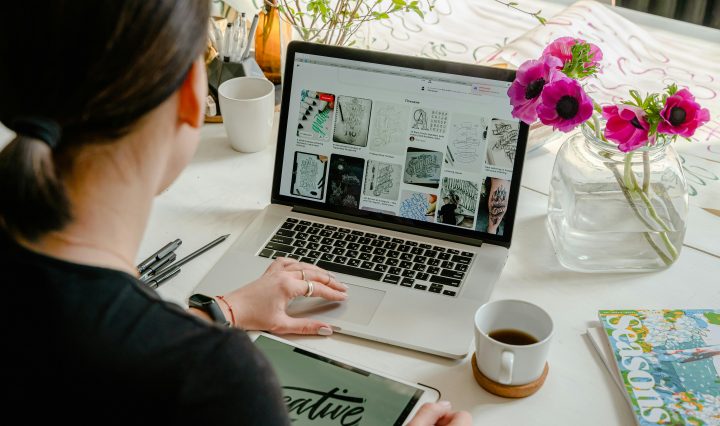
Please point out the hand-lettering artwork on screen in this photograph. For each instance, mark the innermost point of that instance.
(502, 136)
(466, 145)
(388, 129)
(352, 120)
(418, 206)
(382, 180)
(308, 178)
(344, 181)
(422, 167)
(316, 113)
(458, 202)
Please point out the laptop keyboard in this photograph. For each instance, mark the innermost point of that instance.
(394, 261)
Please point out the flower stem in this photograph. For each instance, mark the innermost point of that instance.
(596, 120)
(632, 185)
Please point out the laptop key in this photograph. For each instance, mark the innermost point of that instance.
(302, 236)
(279, 254)
(313, 246)
(403, 248)
(340, 243)
(370, 235)
(448, 293)
(352, 254)
(391, 279)
(380, 251)
(265, 253)
(462, 259)
(393, 253)
(338, 251)
(299, 243)
(307, 260)
(420, 259)
(407, 282)
(294, 256)
(314, 254)
(280, 247)
(285, 233)
(391, 262)
(300, 228)
(408, 273)
(444, 280)
(460, 267)
(406, 256)
(420, 287)
(377, 243)
(291, 220)
(365, 256)
(417, 250)
(364, 240)
(313, 231)
(345, 230)
(301, 251)
(430, 253)
(326, 233)
(288, 225)
(426, 246)
(378, 259)
(438, 248)
(411, 243)
(380, 268)
(353, 246)
(318, 225)
(358, 233)
(281, 240)
(305, 222)
(418, 267)
(453, 251)
(434, 270)
(367, 265)
(325, 249)
(331, 228)
(452, 274)
(405, 264)
(341, 260)
(422, 276)
(384, 238)
(354, 262)
(398, 241)
(327, 240)
(467, 254)
(366, 249)
(327, 257)
(434, 288)
(351, 238)
(433, 262)
(350, 270)
(444, 256)
(314, 239)
(390, 246)
(338, 235)
(395, 271)
(447, 265)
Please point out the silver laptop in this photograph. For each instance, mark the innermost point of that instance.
(400, 175)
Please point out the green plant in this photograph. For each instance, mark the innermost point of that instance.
(336, 21)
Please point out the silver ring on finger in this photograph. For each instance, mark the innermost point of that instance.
(310, 289)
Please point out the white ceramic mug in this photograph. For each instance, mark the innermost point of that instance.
(247, 105)
(508, 364)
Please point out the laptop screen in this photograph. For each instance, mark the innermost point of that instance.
(430, 149)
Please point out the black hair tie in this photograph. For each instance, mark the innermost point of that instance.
(44, 129)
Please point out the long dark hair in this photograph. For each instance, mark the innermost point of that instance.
(91, 69)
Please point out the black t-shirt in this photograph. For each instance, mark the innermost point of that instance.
(91, 345)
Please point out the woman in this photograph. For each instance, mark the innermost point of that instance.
(107, 101)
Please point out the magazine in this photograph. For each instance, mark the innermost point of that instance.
(668, 362)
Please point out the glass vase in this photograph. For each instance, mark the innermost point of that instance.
(615, 211)
(270, 36)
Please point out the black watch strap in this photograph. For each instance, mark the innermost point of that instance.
(210, 306)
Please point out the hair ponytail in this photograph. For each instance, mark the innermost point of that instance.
(33, 199)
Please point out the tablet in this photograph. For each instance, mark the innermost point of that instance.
(319, 389)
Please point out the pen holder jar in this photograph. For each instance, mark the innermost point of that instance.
(219, 71)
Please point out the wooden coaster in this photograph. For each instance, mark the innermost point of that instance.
(520, 391)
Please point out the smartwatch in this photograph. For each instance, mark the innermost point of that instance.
(208, 305)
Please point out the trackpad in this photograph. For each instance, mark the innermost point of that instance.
(359, 308)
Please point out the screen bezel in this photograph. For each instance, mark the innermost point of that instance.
(427, 394)
(397, 223)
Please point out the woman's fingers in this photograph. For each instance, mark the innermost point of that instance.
(281, 264)
(299, 288)
(303, 326)
(430, 413)
(321, 276)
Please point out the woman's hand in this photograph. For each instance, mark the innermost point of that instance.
(262, 304)
(440, 414)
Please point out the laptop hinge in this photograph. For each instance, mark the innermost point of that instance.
(391, 226)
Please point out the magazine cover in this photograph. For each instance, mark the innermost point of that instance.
(669, 362)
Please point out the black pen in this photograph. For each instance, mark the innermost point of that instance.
(157, 265)
(161, 278)
(193, 255)
(169, 248)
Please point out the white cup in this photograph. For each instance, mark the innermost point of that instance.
(247, 105)
(505, 363)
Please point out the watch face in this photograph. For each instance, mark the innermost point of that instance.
(200, 300)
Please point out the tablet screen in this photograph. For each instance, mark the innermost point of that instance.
(322, 391)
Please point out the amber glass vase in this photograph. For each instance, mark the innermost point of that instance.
(268, 42)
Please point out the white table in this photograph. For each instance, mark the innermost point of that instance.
(221, 190)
